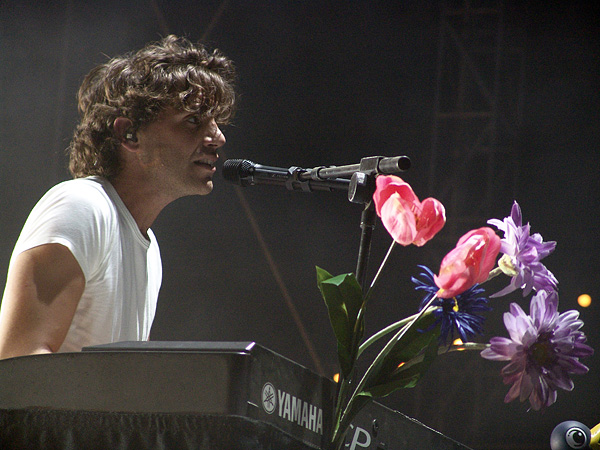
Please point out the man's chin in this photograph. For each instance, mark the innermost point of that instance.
(206, 188)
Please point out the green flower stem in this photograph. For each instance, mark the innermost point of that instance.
(341, 419)
(385, 331)
(361, 312)
(466, 346)
(342, 392)
(345, 382)
(380, 270)
(453, 348)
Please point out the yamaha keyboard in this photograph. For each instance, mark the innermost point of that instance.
(179, 395)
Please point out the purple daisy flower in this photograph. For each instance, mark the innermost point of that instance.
(522, 255)
(458, 313)
(544, 349)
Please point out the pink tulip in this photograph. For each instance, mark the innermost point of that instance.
(407, 219)
(468, 263)
(431, 220)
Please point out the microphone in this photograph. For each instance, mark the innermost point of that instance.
(247, 173)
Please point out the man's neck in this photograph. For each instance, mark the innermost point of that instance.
(143, 201)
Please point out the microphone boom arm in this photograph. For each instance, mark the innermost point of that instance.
(360, 187)
(371, 165)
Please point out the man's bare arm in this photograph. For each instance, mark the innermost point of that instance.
(42, 292)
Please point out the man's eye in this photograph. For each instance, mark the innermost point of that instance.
(194, 120)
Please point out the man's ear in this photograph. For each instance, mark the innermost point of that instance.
(123, 129)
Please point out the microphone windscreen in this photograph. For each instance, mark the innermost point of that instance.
(235, 169)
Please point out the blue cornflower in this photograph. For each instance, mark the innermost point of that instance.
(522, 255)
(460, 312)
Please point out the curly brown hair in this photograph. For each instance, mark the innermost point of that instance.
(171, 73)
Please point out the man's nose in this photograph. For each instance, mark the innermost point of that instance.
(214, 137)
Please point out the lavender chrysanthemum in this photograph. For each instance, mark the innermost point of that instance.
(458, 313)
(522, 255)
(544, 350)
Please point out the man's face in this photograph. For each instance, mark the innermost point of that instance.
(178, 152)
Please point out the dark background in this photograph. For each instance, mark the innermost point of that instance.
(328, 83)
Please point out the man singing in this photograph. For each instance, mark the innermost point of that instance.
(86, 269)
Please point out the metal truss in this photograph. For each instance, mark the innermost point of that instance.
(474, 159)
(474, 164)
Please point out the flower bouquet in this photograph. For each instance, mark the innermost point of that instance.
(543, 348)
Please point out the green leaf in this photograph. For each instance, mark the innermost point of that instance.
(387, 377)
(344, 299)
(406, 361)
(406, 376)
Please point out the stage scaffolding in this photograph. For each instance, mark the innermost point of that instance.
(474, 164)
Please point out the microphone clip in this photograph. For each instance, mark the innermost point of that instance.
(361, 188)
(362, 182)
(293, 180)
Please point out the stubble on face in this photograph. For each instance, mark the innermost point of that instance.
(173, 156)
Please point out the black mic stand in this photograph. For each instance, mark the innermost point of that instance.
(361, 190)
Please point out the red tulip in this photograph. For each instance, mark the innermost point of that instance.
(407, 219)
(468, 263)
